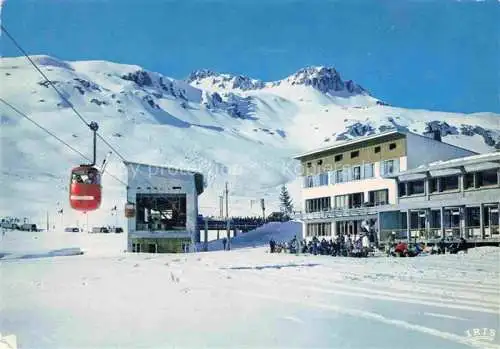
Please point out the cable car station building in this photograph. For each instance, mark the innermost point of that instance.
(165, 201)
(346, 185)
(455, 198)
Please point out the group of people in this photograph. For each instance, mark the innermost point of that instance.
(403, 249)
(90, 177)
(362, 245)
(355, 245)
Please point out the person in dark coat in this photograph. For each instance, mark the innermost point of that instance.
(442, 246)
(272, 245)
(224, 243)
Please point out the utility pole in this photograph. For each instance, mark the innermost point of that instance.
(205, 240)
(263, 206)
(221, 205)
(221, 212)
(228, 227)
(227, 202)
(62, 219)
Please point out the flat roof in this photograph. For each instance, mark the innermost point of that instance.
(349, 142)
(362, 139)
(493, 158)
(173, 169)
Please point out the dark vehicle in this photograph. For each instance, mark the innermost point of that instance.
(96, 230)
(28, 227)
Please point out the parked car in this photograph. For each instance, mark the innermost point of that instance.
(96, 230)
(28, 227)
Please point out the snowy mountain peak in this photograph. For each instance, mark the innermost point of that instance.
(324, 79)
(48, 61)
(200, 74)
(207, 78)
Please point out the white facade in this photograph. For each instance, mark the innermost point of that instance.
(422, 150)
(332, 188)
(147, 179)
(350, 186)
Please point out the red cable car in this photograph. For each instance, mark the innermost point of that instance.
(85, 187)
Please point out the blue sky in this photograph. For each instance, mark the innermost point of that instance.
(438, 55)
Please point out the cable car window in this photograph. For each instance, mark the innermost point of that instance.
(86, 176)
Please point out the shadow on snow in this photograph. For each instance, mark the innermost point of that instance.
(75, 251)
(273, 266)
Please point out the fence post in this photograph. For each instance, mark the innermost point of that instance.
(205, 247)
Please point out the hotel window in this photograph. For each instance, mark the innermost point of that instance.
(392, 146)
(416, 187)
(402, 189)
(379, 197)
(339, 176)
(331, 176)
(368, 169)
(448, 183)
(342, 201)
(469, 181)
(309, 165)
(320, 162)
(377, 150)
(318, 204)
(316, 181)
(323, 178)
(389, 166)
(308, 182)
(338, 157)
(472, 217)
(355, 154)
(319, 229)
(487, 178)
(356, 173)
(433, 185)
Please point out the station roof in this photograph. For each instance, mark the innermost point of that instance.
(469, 163)
(382, 135)
(198, 176)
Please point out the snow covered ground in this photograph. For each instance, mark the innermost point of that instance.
(243, 298)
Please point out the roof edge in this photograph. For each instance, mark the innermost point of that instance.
(491, 157)
(348, 142)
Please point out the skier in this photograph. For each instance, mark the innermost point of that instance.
(224, 243)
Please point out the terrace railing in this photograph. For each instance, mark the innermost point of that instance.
(336, 213)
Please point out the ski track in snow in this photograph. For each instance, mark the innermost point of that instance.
(359, 313)
(444, 316)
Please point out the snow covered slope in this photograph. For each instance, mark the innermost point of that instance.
(280, 232)
(231, 128)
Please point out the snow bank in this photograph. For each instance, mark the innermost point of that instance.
(280, 232)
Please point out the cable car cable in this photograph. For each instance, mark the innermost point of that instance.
(62, 96)
(42, 73)
(57, 138)
(56, 89)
